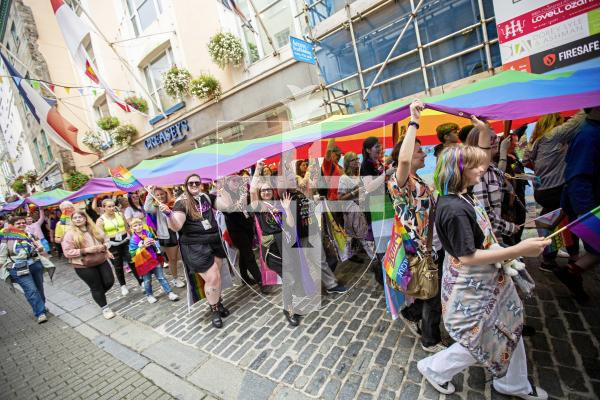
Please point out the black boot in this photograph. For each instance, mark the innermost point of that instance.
(216, 316)
(223, 312)
(292, 318)
(573, 281)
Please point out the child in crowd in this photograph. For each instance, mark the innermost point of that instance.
(145, 254)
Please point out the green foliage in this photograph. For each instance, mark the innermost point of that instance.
(253, 52)
(138, 103)
(18, 186)
(108, 123)
(205, 86)
(124, 134)
(31, 177)
(76, 180)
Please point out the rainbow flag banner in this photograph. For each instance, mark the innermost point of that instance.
(13, 234)
(124, 180)
(587, 227)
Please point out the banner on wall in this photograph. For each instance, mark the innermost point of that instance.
(543, 35)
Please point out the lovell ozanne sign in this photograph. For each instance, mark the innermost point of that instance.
(173, 134)
(541, 35)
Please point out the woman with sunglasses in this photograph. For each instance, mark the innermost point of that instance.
(200, 241)
(272, 215)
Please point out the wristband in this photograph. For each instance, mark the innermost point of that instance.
(413, 123)
(484, 148)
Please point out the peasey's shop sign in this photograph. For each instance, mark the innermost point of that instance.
(174, 134)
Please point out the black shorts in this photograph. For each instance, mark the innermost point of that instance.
(170, 242)
(199, 257)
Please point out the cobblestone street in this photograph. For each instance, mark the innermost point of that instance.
(351, 349)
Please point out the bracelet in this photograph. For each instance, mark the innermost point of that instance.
(413, 123)
(502, 159)
(484, 148)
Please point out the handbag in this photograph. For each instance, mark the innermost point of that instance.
(422, 272)
(93, 259)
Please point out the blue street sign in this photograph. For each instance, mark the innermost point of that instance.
(302, 50)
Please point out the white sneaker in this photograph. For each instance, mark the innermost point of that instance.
(537, 393)
(563, 254)
(178, 283)
(108, 313)
(173, 296)
(151, 299)
(412, 326)
(124, 290)
(435, 348)
(445, 388)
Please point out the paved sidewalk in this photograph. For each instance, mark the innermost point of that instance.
(53, 361)
(351, 349)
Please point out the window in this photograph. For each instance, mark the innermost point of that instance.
(143, 13)
(15, 36)
(48, 147)
(153, 73)
(101, 108)
(38, 153)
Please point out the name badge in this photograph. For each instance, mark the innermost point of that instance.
(206, 224)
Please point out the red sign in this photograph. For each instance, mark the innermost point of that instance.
(543, 17)
(522, 64)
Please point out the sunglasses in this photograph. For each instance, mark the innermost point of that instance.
(194, 183)
(266, 190)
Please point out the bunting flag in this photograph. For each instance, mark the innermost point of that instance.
(60, 131)
(587, 227)
(80, 90)
(124, 180)
(232, 6)
(52, 87)
(67, 89)
(35, 84)
(74, 30)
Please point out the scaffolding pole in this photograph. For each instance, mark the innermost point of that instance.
(413, 15)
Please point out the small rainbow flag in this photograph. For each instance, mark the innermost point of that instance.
(587, 227)
(14, 234)
(124, 180)
(395, 261)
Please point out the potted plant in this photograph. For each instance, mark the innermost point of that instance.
(31, 177)
(124, 134)
(95, 141)
(253, 50)
(226, 49)
(138, 103)
(108, 123)
(76, 180)
(205, 87)
(18, 186)
(176, 82)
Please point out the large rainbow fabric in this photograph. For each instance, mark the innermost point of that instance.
(509, 95)
(145, 259)
(587, 227)
(14, 234)
(124, 180)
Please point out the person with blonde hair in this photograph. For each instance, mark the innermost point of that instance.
(67, 208)
(546, 155)
(481, 308)
(113, 225)
(86, 247)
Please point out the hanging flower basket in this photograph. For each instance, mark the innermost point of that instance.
(76, 180)
(31, 177)
(205, 87)
(176, 82)
(108, 123)
(95, 141)
(19, 186)
(226, 49)
(124, 134)
(138, 103)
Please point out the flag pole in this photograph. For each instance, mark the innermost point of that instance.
(124, 63)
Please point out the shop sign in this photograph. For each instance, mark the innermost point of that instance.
(530, 33)
(302, 50)
(174, 134)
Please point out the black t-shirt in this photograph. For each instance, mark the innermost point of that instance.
(457, 227)
(196, 231)
(237, 221)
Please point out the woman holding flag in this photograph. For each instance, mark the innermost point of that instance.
(112, 223)
(199, 240)
(20, 262)
(481, 309)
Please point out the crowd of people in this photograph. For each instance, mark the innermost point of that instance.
(465, 230)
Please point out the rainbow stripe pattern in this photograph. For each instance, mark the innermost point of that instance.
(14, 234)
(124, 180)
(395, 262)
(587, 227)
(145, 259)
